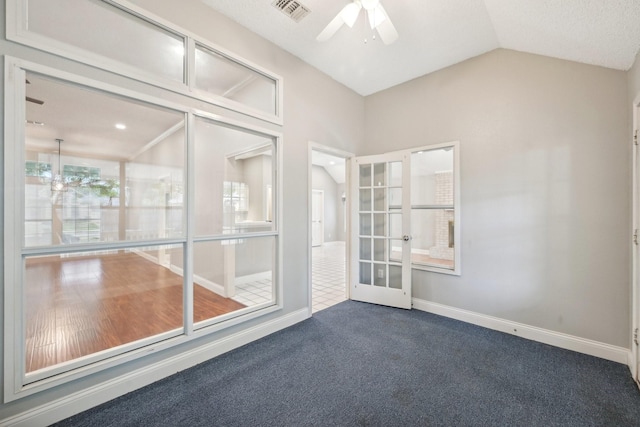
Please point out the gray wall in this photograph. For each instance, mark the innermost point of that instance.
(545, 185)
(315, 108)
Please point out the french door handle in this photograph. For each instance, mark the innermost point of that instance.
(406, 237)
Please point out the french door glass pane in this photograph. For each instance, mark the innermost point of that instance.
(136, 42)
(395, 174)
(365, 175)
(380, 249)
(79, 304)
(395, 198)
(395, 276)
(234, 172)
(365, 224)
(380, 272)
(365, 200)
(365, 273)
(365, 249)
(379, 174)
(222, 76)
(395, 225)
(395, 250)
(380, 201)
(380, 224)
(100, 184)
(231, 275)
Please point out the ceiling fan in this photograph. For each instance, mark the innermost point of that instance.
(377, 16)
(34, 100)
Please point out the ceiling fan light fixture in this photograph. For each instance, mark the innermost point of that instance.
(350, 13)
(369, 4)
(376, 17)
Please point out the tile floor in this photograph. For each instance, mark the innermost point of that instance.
(328, 275)
(327, 280)
(254, 292)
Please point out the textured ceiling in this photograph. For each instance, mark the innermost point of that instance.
(437, 33)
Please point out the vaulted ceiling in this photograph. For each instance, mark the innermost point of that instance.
(434, 34)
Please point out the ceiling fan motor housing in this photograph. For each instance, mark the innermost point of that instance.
(369, 4)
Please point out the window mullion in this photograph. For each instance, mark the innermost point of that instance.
(190, 221)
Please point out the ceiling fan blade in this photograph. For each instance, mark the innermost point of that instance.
(330, 29)
(376, 16)
(34, 100)
(350, 12)
(386, 30)
(347, 15)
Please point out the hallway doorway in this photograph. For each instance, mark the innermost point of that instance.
(328, 223)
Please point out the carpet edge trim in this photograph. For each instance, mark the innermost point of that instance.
(545, 336)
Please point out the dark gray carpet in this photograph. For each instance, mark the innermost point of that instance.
(358, 364)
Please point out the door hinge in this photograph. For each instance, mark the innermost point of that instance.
(635, 336)
(635, 237)
(635, 137)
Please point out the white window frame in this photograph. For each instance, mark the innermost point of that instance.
(17, 384)
(17, 31)
(457, 269)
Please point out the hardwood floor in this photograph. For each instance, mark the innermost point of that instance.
(81, 305)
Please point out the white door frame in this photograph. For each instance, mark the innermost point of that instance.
(314, 146)
(635, 251)
(321, 219)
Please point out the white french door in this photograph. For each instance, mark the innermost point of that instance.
(381, 230)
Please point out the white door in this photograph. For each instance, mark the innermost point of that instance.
(381, 232)
(317, 217)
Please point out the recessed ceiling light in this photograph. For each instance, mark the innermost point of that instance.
(332, 162)
(121, 126)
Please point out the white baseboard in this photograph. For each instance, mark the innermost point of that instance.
(199, 280)
(557, 339)
(75, 403)
(145, 255)
(212, 286)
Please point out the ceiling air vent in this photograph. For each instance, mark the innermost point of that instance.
(292, 8)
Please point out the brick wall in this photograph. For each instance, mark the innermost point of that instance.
(443, 196)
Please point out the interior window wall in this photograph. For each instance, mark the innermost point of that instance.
(104, 225)
(129, 234)
(80, 179)
(234, 174)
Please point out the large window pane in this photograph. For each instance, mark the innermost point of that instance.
(110, 32)
(87, 181)
(433, 237)
(432, 177)
(222, 76)
(234, 180)
(231, 275)
(79, 304)
(433, 210)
